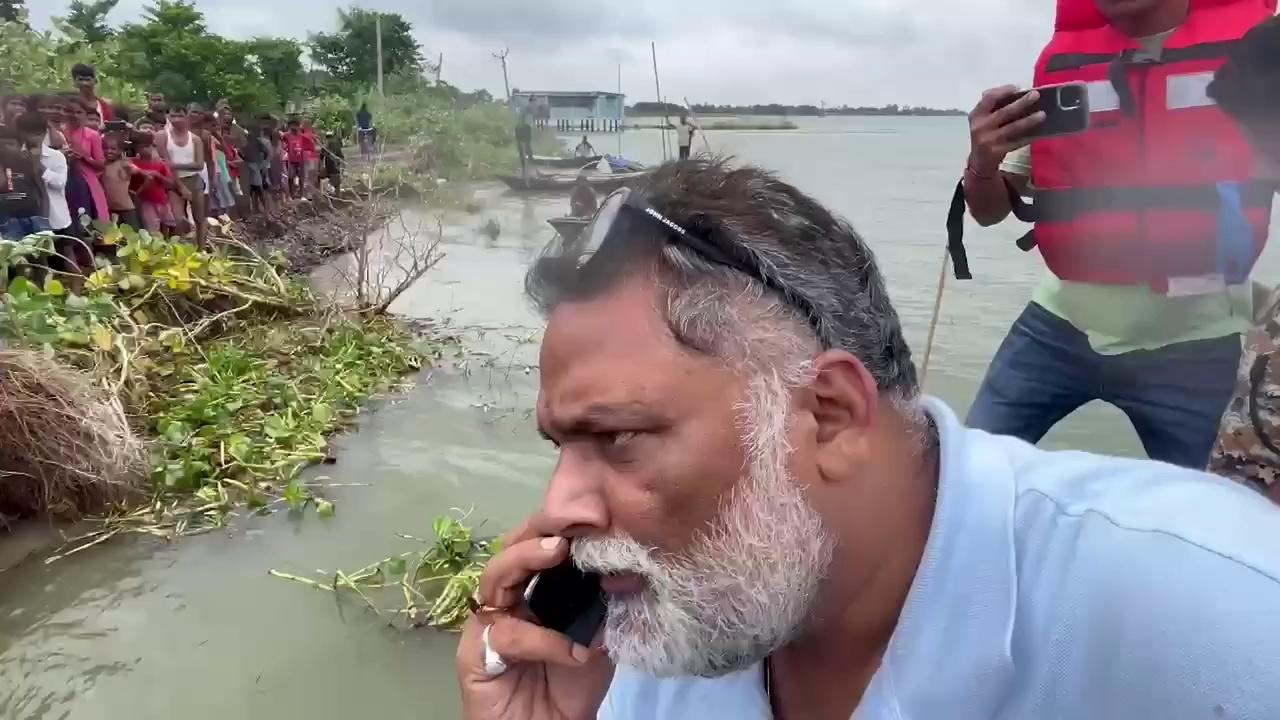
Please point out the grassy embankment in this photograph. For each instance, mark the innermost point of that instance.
(175, 388)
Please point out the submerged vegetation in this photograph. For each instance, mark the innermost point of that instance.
(431, 586)
(230, 368)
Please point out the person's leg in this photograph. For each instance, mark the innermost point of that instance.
(1043, 371)
(199, 209)
(126, 217)
(168, 224)
(178, 201)
(150, 217)
(1175, 396)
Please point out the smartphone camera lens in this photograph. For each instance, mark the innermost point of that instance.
(1070, 97)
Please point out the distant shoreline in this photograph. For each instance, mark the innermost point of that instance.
(793, 111)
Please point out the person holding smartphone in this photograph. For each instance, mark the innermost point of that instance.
(1149, 222)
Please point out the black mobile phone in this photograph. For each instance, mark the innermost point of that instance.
(115, 126)
(567, 600)
(1065, 108)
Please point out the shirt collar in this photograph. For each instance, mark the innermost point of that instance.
(952, 646)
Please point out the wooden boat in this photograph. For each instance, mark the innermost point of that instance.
(570, 162)
(564, 183)
(569, 227)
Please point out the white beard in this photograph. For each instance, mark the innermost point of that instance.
(743, 587)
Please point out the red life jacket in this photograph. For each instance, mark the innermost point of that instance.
(1135, 199)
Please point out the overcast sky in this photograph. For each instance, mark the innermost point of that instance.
(859, 52)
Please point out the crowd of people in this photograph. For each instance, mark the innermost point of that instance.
(72, 157)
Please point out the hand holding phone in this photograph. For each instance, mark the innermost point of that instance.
(567, 600)
(996, 129)
(1065, 108)
(547, 674)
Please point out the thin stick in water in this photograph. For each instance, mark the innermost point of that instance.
(937, 312)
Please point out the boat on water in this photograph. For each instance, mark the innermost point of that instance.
(569, 227)
(569, 162)
(600, 182)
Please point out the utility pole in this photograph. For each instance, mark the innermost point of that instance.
(502, 57)
(377, 25)
(439, 68)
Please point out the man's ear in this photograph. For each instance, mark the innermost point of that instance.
(844, 401)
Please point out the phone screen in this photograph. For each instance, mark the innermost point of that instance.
(1065, 108)
(567, 600)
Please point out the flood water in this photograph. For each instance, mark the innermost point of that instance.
(199, 630)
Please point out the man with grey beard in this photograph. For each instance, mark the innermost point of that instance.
(787, 529)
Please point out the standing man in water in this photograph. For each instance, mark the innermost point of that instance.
(786, 529)
(1149, 222)
(685, 130)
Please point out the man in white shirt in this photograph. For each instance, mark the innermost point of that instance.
(785, 528)
(685, 129)
(53, 164)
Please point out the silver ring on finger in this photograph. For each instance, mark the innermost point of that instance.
(493, 663)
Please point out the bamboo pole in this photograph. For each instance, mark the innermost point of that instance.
(653, 48)
(937, 312)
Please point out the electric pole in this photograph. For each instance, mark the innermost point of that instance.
(502, 57)
(377, 26)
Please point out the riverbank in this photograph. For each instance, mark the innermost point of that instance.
(175, 388)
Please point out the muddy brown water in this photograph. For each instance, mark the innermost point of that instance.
(198, 629)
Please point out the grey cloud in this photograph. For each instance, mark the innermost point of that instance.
(939, 52)
(540, 23)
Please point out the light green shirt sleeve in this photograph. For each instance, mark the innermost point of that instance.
(1017, 162)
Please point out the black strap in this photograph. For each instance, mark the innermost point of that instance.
(1118, 75)
(1258, 375)
(955, 226)
(1068, 203)
(1202, 51)
(1024, 211)
(955, 234)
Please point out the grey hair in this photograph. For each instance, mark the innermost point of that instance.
(724, 313)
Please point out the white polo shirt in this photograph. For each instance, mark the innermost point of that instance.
(1058, 585)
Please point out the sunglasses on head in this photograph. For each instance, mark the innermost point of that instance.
(604, 230)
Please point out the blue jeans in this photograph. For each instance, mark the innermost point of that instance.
(18, 228)
(1045, 370)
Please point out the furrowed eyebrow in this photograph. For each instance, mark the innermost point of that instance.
(603, 416)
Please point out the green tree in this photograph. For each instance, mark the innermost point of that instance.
(12, 10)
(33, 61)
(278, 62)
(351, 53)
(172, 51)
(90, 18)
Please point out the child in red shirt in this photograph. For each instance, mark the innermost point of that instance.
(297, 149)
(153, 191)
(312, 148)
